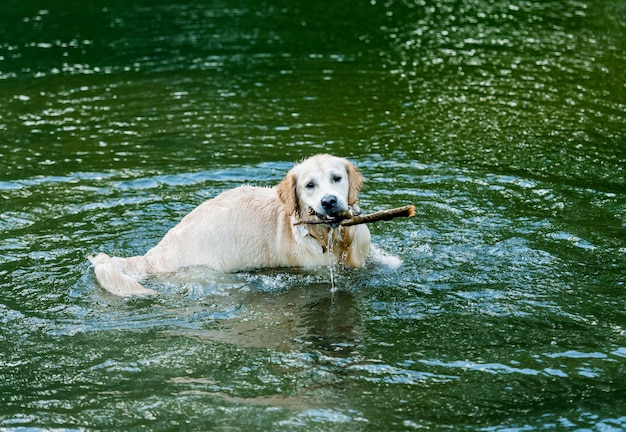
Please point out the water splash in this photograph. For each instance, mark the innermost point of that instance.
(332, 262)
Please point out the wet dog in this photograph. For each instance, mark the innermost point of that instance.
(255, 227)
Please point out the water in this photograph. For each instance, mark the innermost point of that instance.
(503, 122)
(331, 262)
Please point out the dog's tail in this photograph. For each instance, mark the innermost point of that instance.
(112, 274)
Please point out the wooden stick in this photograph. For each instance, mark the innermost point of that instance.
(381, 215)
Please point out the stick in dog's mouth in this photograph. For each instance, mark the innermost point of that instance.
(336, 218)
(345, 218)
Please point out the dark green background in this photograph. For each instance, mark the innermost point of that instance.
(503, 122)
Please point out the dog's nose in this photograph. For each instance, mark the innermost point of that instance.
(329, 202)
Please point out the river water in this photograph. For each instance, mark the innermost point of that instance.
(503, 122)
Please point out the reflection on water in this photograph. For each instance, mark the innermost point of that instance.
(279, 313)
(489, 261)
(503, 122)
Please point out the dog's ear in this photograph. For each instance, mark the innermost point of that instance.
(287, 193)
(356, 181)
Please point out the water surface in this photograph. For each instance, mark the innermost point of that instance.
(503, 122)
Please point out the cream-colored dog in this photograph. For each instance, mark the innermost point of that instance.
(253, 227)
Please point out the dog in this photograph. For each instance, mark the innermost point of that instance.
(249, 228)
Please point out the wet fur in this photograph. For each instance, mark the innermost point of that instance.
(252, 227)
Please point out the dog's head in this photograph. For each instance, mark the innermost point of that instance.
(321, 186)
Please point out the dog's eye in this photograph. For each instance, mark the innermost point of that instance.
(337, 178)
(309, 185)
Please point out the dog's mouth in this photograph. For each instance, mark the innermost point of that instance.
(334, 217)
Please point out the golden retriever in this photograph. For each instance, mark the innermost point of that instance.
(254, 227)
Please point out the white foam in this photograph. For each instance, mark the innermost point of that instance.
(384, 258)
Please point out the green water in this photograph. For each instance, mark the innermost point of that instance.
(503, 122)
